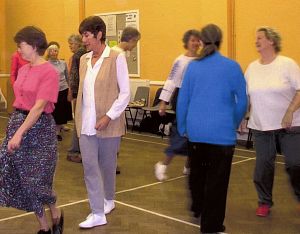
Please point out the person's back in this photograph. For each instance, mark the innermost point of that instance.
(213, 82)
(211, 104)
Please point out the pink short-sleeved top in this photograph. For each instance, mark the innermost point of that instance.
(35, 83)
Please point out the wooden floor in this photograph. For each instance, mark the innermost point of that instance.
(147, 206)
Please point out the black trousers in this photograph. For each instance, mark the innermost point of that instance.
(208, 181)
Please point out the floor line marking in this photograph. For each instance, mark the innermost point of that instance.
(118, 192)
(150, 185)
(145, 135)
(240, 156)
(158, 143)
(135, 188)
(245, 160)
(253, 151)
(16, 216)
(157, 214)
(86, 200)
(151, 142)
(127, 190)
(245, 150)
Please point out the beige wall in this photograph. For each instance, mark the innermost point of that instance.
(2, 38)
(283, 15)
(57, 18)
(162, 24)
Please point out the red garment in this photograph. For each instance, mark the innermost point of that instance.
(36, 82)
(16, 63)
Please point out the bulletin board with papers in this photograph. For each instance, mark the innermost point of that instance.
(115, 23)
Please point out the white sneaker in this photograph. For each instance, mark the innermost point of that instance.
(160, 171)
(109, 205)
(186, 170)
(167, 130)
(93, 220)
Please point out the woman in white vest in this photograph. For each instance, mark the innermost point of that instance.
(103, 95)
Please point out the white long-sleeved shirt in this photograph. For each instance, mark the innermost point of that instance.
(88, 104)
(175, 77)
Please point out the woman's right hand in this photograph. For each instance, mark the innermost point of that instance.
(162, 108)
(14, 143)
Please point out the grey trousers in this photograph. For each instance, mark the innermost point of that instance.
(265, 146)
(99, 159)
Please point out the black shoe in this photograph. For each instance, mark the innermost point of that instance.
(44, 232)
(196, 209)
(59, 137)
(197, 214)
(58, 224)
(118, 171)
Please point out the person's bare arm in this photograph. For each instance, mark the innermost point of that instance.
(294, 106)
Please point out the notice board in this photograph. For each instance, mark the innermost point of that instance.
(115, 23)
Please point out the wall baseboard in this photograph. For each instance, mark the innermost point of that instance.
(157, 83)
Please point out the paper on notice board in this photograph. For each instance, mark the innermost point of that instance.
(131, 20)
(131, 24)
(111, 24)
(131, 17)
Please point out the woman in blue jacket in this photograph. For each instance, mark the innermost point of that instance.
(211, 104)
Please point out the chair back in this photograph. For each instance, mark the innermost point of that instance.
(142, 92)
(156, 98)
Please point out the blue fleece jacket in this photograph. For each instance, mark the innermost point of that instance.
(212, 100)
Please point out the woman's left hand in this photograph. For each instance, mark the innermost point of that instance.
(287, 119)
(14, 143)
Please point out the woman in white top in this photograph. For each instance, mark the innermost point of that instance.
(274, 90)
(178, 144)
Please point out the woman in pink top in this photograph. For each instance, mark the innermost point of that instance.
(16, 63)
(29, 152)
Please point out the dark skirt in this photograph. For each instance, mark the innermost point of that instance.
(63, 108)
(26, 176)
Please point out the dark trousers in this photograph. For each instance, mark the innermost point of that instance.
(265, 146)
(208, 181)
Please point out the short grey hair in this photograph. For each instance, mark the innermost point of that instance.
(130, 33)
(75, 38)
(272, 35)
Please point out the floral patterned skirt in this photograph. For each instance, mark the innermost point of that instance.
(26, 176)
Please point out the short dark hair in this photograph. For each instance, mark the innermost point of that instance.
(130, 33)
(188, 34)
(32, 36)
(54, 43)
(93, 24)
